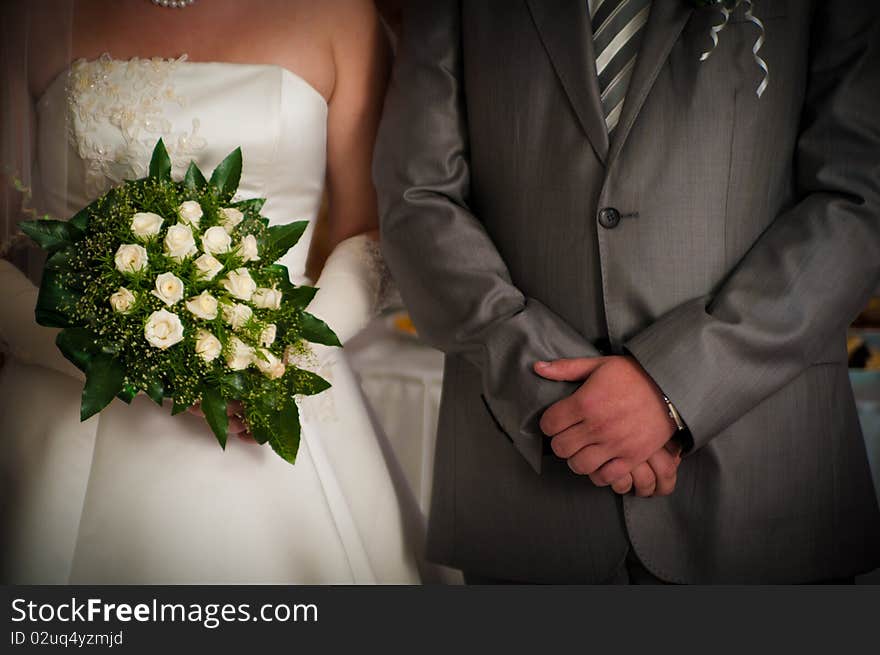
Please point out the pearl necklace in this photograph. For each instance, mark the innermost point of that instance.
(174, 4)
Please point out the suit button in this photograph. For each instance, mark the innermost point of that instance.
(609, 218)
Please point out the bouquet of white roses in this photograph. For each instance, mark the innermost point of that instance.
(171, 288)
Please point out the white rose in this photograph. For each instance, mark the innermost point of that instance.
(237, 315)
(267, 336)
(179, 242)
(268, 364)
(163, 329)
(122, 301)
(240, 284)
(145, 225)
(190, 213)
(247, 248)
(265, 298)
(208, 266)
(169, 288)
(131, 258)
(207, 345)
(230, 217)
(216, 240)
(203, 305)
(239, 355)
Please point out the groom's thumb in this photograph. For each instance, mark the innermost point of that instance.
(570, 370)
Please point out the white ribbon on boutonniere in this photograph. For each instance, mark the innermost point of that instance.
(727, 7)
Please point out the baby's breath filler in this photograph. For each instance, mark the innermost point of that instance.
(170, 288)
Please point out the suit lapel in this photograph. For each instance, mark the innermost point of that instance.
(665, 22)
(565, 32)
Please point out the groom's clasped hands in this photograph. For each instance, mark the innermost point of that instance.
(615, 428)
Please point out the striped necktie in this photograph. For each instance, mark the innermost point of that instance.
(618, 26)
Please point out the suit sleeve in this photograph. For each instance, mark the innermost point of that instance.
(450, 274)
(812, 270)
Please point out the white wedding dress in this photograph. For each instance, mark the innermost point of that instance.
(135, 495)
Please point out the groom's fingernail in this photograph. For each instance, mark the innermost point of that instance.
(542, 364)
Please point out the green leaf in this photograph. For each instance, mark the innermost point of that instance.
(80, 220)
(252, 205)
(214, 408)
(281, 275)
(306, 383)
(60, 259)
(194, 180)
(79, 345)
(156, 391)
(278, 270)
(160, 164)
(284, 237)
(54, 301)
(236, 382)
(284, 432)
(226, 176)
(104, 380)
(299, 296)
(127, 394)
(177, 408)
(49, 234)
(260, 434)
(315, 330)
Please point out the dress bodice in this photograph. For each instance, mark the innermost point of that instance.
(99, 121)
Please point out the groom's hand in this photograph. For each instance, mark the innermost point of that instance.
(615, 425)
(656, 477)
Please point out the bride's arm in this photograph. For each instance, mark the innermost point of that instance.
(350, 282)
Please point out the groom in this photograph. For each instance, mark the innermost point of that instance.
(625, 252)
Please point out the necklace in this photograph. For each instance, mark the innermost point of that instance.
(174, 4)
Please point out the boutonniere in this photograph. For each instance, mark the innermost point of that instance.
(726, 7)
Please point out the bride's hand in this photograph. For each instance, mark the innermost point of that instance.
(234, 411)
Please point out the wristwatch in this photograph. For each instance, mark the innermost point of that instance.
(673, 414)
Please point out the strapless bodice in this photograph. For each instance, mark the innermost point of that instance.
(99, 121)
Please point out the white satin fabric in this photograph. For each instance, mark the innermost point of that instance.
(134, 495)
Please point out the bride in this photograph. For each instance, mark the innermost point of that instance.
(135, 495)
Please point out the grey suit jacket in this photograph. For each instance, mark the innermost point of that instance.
(749, 238)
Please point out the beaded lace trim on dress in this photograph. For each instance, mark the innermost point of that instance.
(131, 96)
